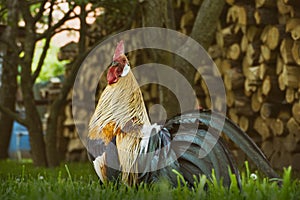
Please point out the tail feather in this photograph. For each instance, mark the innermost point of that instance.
(239, 137)
(189, 146)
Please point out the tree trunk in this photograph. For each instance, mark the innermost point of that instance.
(60, 101)
(9, 86)
(206, 22)
(156, 13)
(203, 31)
(51, 136)
(33, 119)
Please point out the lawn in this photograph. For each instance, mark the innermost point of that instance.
(78, 181)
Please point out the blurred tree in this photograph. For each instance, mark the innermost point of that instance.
(157, 13)
(51, 133)
(203, 31)
(8, 88)
(34, 14)
(113, 20)
(40, 25)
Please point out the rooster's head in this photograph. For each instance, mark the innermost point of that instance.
(120, 65)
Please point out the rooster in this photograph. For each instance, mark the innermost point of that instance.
(125, 146)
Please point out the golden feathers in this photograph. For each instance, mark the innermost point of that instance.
(119, 104)
(107, 133)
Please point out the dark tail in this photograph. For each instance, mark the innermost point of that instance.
(198, 155)
(221, 123)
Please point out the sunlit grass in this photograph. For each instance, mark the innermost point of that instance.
(79, 181)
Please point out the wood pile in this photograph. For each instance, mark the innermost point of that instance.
(257, 49)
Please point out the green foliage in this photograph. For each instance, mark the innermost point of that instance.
(79, 181)
(52, 66)
(3, 12)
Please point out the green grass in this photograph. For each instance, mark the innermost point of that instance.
(78, 181)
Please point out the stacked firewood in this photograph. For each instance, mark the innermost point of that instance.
(257, 50)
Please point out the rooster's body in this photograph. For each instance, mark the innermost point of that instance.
(124, 144)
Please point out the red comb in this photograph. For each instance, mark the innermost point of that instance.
(119, 50)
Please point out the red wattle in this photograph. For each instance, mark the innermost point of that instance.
(112, 75)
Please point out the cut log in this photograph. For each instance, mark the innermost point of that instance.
(291, 76)
(233, 52)
(283, 8)
(260, 96)
(252, 73)
(270, 90)
(227, 36)
(262, 128)
(269, 110)
(290, 95)
(297, 94)
(272, 35)
(279, 65)
(286, 51)
(296, 51)
(293, 27)
(253, 53)
(244, 43)
(266, 70)
(255, 103)
(296, 112)
(253, 33)
(250, 86)
(269, 83)
(277, 127)
(267, 56)
(242, 15)
(281, 82)
(294, 128)
(233, 115)
(285, 113)
(229, 98)
(245, 123)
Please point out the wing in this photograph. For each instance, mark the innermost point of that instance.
(105, 159)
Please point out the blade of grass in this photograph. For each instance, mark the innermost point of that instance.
(69, 175)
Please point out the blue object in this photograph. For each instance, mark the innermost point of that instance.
(19, 140)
